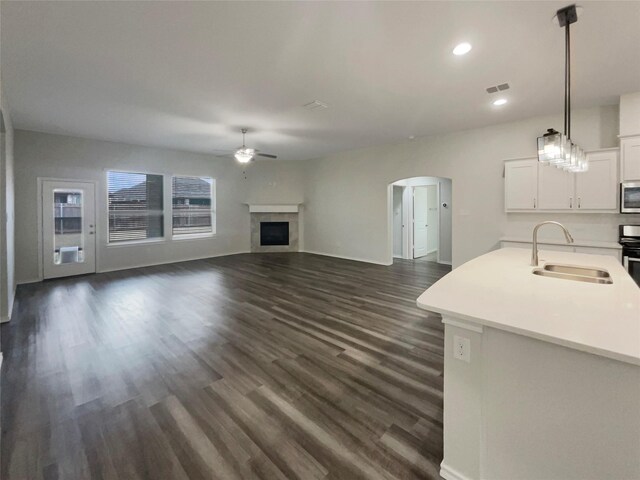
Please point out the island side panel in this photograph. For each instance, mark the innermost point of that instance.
(557, 413)
(462, 403)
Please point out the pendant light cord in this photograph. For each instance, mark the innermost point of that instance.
(567, 82)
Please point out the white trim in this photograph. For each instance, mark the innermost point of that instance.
(192, 236)
(462, 324)
(628, 136)
(445, 262)
(274, 208)
(347, 257)
(29, 280)
(449, 473)
(5, 319)
(155, 264)
(142, 241)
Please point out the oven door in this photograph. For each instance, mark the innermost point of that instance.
(631, 260)
(630, 197)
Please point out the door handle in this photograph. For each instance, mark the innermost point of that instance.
(534, 202)
(579, 202)
(90, 233)
(570, 202)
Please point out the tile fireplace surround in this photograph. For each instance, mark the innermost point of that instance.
(274, 213)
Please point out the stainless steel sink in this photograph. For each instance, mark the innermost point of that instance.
(576, 278)
(577, 270)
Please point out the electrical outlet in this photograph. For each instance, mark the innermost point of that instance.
(462, 348)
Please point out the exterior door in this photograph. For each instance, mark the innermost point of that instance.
(68, 228)
(420, 221)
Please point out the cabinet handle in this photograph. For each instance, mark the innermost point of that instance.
(534, 202)
(570, 202)
(579, 202)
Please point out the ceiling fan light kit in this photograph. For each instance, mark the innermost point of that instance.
(555, 148)
(245, 154)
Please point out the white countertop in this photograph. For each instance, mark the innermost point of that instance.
(576, 243)
(498, 290)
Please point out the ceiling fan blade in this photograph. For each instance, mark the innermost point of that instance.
(266, 155)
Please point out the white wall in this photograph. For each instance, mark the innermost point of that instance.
(57, 156)
(7, 255)
(346, 193)
(630, 114)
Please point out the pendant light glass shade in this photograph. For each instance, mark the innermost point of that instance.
(554, 148)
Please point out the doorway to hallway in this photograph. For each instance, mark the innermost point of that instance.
(421, 219)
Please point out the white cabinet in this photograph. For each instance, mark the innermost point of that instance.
(630, 158)
(521, 184)
(555, 188)
(530, 186)
(597, 189)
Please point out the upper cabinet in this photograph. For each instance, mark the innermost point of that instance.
(521, 184)
(597, 188)
(530, 186)
(555, 188)
(630, 158)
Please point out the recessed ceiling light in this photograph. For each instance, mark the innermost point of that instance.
(462, 48)
(500, 101)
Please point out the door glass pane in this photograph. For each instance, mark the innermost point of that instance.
(68, 235)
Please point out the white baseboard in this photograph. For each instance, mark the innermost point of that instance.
(347, 257)
(444, 262)
(449, 473)
(155, 264)
(5, 319)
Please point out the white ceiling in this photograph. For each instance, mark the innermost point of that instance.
(189, 75)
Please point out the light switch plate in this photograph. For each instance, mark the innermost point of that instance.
(462, 348)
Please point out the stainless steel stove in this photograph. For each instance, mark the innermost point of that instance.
(630, 241)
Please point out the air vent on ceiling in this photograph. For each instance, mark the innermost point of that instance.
(498, 88)
(315, 104)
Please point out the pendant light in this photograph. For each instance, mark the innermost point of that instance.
(555, 148)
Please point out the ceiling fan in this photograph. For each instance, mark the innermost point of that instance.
(244, 154)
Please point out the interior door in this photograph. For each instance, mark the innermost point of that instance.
(420, 221)
(68, 228)
(432, 218)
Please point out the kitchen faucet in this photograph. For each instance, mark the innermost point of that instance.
(534, 251)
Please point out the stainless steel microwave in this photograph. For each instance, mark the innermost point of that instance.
(630, 197)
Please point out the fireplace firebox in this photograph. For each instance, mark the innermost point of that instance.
(274, 233)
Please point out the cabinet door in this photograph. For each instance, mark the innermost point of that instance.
(555, 188)
(597, 188)
(630, 154)
(521, 184)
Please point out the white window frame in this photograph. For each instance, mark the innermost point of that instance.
(142, 241)
(194, 236)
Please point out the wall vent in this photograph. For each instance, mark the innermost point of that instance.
(498, 88)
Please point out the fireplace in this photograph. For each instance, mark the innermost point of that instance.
(274, 233)
(274, 228)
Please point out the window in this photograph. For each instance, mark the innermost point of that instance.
(192, 201)
(135, 206)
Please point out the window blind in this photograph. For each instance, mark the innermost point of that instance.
(192, 202)
(135, 206)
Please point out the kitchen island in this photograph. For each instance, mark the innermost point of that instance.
(542, 374)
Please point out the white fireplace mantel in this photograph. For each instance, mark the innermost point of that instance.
(274, 208)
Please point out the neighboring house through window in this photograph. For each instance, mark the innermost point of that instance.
(135, 206)
(193, 206)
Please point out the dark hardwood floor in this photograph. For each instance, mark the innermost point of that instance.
(271, 366)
